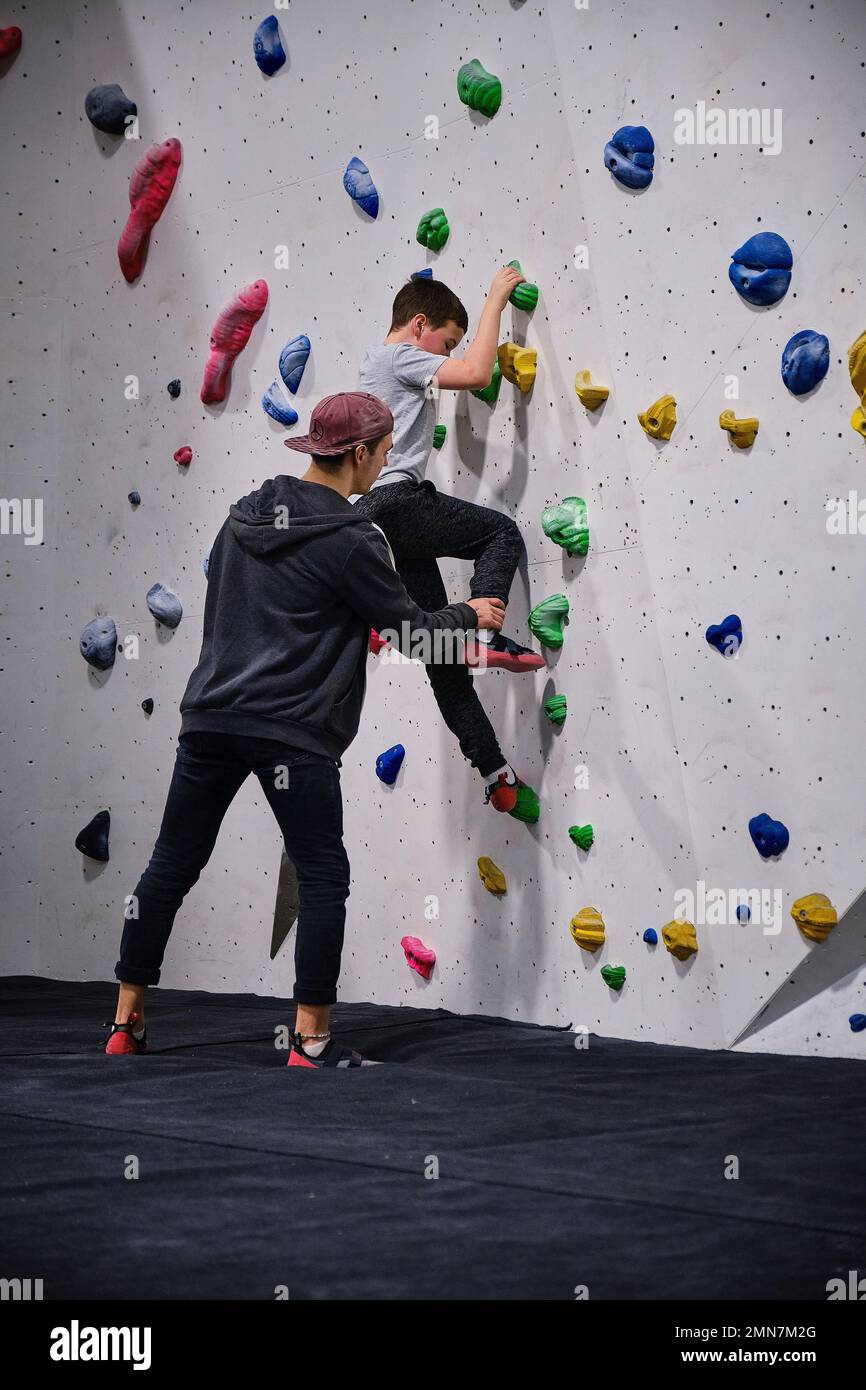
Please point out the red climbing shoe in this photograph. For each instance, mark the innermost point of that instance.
(502, 793)
(122, 1040)
(501, 653)
(332, 1055)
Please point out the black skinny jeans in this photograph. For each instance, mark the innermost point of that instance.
(423, 525)
(208, 772)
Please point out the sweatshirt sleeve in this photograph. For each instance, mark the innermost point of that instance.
(370, 585)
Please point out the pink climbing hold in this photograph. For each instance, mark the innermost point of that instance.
(377, 642)
(183, 455)
(10, 41)
(418, 956)
(150, 187)
(229, 336)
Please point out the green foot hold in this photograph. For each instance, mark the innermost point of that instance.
(546, 619)
(556, 709)
(433, 230)
(582, 835)
(614, 976)
(439, 434)
(479, 89)
(528, 806)
(524, 296)
(566, 525)
(491, 393)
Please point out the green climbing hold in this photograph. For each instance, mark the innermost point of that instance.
(566, 525)
(433, 230)
(546, 619)
(491, 393)
(479, 89)
(524, 296)
(614, 976)
(528, 806)
(582, 835)
(556, 709)
(439, 433)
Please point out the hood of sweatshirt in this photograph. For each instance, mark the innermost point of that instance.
(286, 511)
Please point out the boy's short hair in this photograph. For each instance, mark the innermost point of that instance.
(430, 297)
(330, 463)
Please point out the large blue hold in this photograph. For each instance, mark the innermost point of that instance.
(268, 50)
(857, 1022)
(760, 269)
(98, 643)
(275, 403)
(726, 636)
(107, 107)
(770, 836)
(651, 936)
(293, 360)
(388, 764)
(425, 274)
(165, 605)
(360, 186)
(805, 360)
(629, 156)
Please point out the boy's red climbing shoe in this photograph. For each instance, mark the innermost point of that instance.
(332, 1055)
(501, 653)
(126, 1039)
(502, 792)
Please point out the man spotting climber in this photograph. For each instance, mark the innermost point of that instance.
(297, 577)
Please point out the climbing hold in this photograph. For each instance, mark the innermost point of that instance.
(613, 976)
(590, 396)
(491, 393)
(293, 360)
(546, 619)
(726, 636)
(815, 915)
(523, 296)
(658, 419)
(377, 642)
(858, 421)
(680, 939)
(173, 388)
(479, 89)
(566, 525)
(527, 807)
(556, 708)
(165, 605)
(360, 187)
(439, 433)
(150, 186)
(388, 764)
(760, 269)
(277, 406)
(651, 936)
(770, 836)
(10, 41)
(147, 705)
(857, 1022)
(744, 912)
(742, 432)
(582, 835)
(229, 336)
(93, 839)
(629, 156)
(433, 230)
(419, 957)
(491, 875)
(107, 107)
(587, 928)
(98, 643)
(134, 498)
(267, 49)
(205, 564)
(425, 274)
(805, 359)
(183, 455)
(517, 364)
(857, 364)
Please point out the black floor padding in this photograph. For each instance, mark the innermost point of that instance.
(557, 1167)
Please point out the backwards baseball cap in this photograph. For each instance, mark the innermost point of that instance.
(340, 422)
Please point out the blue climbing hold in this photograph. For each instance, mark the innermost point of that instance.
(360, 186)
(726, 636)
(275, 403)
(107, 107)
(770, 836)
(760, 269)
(425, 274)
(268, 50)
(205, 564)
(805, 360)
(174, 388)
(857, 1022)
(651, 936)
(744, 913)
(629, 156)
(98, 643)
(293, 360)
(134, 497)
(165, 605)
(388, 764)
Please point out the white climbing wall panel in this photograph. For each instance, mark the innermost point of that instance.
(680, 746)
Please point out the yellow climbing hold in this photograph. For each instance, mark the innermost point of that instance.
(658, 419)
(857, 364)
(590, 396)
(587, 928)
(742, 432)
(517, 364)
(815, 915)
(491, 875)
(858, 421)
(680, 939)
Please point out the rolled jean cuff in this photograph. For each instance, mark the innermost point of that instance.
(314, 997)
(128, 975)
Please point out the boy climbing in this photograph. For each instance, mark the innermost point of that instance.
(296, 579)
(423, 525)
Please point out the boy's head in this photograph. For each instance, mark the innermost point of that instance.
(430, 315)
(350, 435)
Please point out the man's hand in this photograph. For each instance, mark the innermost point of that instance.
(503, 284)
(491, 612)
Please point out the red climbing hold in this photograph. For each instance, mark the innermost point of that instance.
(377, 642)
(229, 336)
(419, 957)
(10, 41)
(183, 455)
(150, 188)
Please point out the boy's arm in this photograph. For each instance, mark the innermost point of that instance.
(472, 372)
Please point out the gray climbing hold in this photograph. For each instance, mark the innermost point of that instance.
(174, 388)
(134, 497)
(93, 839)
(147, 705)
(98, 643)
(107, 107)
(165, 605)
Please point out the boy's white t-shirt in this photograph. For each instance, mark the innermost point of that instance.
(400, 375)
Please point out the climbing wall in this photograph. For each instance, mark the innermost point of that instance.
(669, 748)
